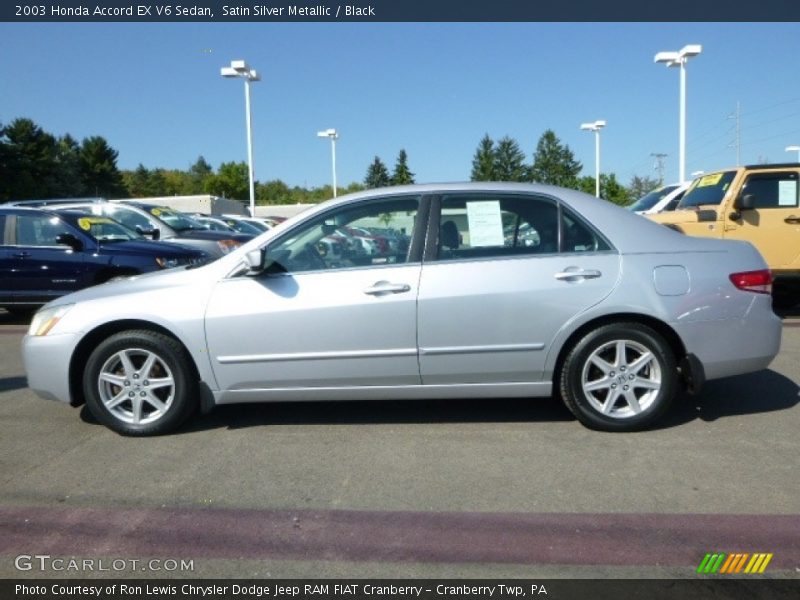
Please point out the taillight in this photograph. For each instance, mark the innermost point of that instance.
(753, 281)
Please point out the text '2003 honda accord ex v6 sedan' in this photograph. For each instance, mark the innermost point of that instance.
(471, 291)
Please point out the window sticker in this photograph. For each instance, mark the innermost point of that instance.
(485, 223)
(708, 180)
(86, 223)
(155, 211)
(787, 193)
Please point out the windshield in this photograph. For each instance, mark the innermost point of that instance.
(103, 229)
(178, 221)
(708, 189)
(648, 201)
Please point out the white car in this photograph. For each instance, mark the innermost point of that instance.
(660, 199)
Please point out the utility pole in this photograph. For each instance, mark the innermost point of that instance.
(737, 142)
(659, 165)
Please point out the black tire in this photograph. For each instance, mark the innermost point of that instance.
(623, 397)
(162, 406)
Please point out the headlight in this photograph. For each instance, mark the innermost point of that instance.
(228, 245)
(169, 263)
(44, 320)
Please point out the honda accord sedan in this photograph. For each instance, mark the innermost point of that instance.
(608, 311)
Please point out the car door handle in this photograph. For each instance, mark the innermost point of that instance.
(21, 254)
(382, 288)
(574, 274)
(792, 220)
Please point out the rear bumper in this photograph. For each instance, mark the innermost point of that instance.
(734, 346)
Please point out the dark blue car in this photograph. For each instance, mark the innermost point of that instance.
(45, 254)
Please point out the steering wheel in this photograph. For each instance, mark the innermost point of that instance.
(315, 260)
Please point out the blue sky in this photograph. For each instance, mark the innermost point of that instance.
(155, 93)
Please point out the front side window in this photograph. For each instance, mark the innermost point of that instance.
(504, 226)
(130, 218)
(369, 234)
(772, 190)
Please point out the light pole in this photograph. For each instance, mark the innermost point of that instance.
(596, 127)
(794, 149)
(679, 59)
(239, 68)
(331, 133)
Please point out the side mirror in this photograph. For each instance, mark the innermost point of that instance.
(153, 234)
(745, 202)
(67, 239)
(254, 261)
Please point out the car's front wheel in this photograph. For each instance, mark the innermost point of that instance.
(140, 383)
(619, 377)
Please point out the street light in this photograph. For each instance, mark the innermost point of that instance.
(794, 149)
(239, 68)
(596, 127)
(331, 133)
(679, 59)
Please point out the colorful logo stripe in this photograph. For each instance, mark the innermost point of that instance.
(720, 562)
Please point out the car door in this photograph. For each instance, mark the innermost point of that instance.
(42, 268)
(491, 299)
(322, 319)
(773, 225)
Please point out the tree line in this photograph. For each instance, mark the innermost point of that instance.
(35, 164)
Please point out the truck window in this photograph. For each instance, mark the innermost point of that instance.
(708, 189)
(772, 190)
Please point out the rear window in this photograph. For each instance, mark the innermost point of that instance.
(648, 201)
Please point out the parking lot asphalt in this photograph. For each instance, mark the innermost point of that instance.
(500, 488)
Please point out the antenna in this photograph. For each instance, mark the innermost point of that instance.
(659, 165)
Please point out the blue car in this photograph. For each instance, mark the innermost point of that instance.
(45, 254)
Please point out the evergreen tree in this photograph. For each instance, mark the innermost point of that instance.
(29, 162)
(68, 168)
(610, 188)
(198, 173)
(483, 162)
(639, 186)
(377, 174)
(98, 167)
(509, 161)
(402, 174)
(554, 162)
(138, 182)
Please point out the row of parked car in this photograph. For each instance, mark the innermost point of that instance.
(49, 248)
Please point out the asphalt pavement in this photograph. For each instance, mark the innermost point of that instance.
(489, 488)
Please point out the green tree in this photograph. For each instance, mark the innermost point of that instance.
(509, 161)
(67, 169)
(230, 181)
(137, 182)
(639, 186)
(377, 174)
(402, 174)
(483, 162)
(610, 188)
(98, 168)
(29, 169)
(198, 173)
(554, 162)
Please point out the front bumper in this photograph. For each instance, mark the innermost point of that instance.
(47, 359)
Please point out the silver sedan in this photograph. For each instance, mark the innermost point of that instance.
(611, 312)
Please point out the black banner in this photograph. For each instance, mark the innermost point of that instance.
(398, 11)
(407, 589)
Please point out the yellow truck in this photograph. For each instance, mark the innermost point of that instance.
(756, 203)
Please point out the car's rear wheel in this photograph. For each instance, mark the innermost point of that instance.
(140, 383)
(619, 377)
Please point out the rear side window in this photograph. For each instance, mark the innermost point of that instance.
(480, 226)
(3, 236)
(38, 230)
(772, 190)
